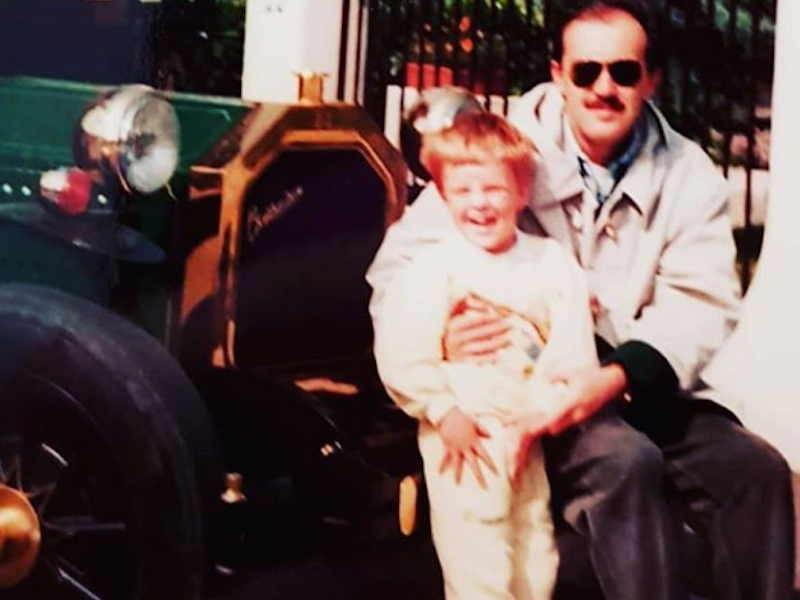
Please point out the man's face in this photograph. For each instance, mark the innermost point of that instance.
(484, 200)
(598, 78)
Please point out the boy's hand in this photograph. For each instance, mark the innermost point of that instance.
(521, 431)
(474, 332)
(462, 435)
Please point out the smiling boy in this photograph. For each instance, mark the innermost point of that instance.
(494, 539)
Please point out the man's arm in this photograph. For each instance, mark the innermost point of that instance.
(694, 304)
(569, 384)
(423, 223)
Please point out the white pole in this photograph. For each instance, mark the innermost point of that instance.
(759, 368)
(283, 37)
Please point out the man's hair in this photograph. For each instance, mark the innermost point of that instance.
(648, 16)
(475, 138)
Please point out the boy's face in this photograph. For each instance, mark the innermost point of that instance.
(484, 199)
(602, 105)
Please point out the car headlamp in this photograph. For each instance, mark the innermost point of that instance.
(131, 132)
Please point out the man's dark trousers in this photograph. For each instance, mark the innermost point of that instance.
(627, 477)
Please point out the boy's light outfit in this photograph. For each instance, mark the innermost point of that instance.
(495, 542)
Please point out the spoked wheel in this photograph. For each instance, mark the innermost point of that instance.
(108, 463)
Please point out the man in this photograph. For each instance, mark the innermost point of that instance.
(645, 212)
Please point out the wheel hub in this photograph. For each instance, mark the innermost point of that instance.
(20, 536)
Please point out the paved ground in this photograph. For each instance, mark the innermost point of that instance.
(389, 570)
(404, 569)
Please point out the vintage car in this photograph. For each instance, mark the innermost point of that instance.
(184, 334)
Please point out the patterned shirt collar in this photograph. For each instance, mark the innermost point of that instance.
(601, 181)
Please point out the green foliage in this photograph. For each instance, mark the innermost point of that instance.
(199, 46)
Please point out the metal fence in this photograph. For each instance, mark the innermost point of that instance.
(716, 85)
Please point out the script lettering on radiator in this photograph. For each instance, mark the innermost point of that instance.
(260, 217)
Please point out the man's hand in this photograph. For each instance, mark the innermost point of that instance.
(521, 431)
(584, 393)
(581, 394)
(474, 332)
(462, 435)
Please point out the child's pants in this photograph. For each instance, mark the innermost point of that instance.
(495, 543)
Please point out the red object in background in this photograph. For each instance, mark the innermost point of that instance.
(493, 80)
(428, 79)
(74, 197)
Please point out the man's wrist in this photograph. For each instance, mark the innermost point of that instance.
(617, 382)
(647, 371)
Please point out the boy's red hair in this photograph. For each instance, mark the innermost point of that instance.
(476, 138)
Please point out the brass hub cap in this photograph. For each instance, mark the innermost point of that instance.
(20, 536)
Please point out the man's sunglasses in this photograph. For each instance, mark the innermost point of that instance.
(626, 73)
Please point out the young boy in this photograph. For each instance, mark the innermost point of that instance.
(493, 536)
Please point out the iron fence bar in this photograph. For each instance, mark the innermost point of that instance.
(529, 21)
(473, 67)
(733, 12)
(491, 49)
(377, 74)
(660, 96)
(746, 254)
(403, 75)
(547, 22)
(686, 70)
(509, 16)
(456, 41)
(529, 13)
(343, 43)
(420, 40)
(438, 47)
(359, 42)
(708, 97)
(548, 15)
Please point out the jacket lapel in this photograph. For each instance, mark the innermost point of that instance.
(641, 185)
(557, 181)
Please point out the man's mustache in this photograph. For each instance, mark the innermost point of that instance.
(612, 102)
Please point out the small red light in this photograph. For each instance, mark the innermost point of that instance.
(74, 197)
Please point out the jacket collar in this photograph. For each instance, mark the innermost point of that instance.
(558, 179)
(642, 183)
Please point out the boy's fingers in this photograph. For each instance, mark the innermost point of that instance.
(486, 329)
(472, 461)
(446, 461)
(483, 350)
(480, 452)
(459, 467)
(472, 302)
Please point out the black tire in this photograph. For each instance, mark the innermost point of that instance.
(98, 415)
